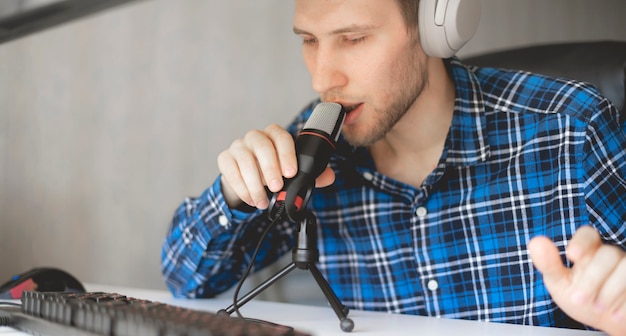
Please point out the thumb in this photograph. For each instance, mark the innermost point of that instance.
(545, 257)
(326, 178)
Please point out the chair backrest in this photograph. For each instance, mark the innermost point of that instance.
(601, 63)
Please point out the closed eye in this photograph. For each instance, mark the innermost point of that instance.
(309, 41)
(356, 40)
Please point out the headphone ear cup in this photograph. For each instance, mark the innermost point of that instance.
(446, 25)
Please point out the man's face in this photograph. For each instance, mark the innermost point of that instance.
(360, 54)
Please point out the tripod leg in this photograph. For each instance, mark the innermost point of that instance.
(264, 285)
(340, 310)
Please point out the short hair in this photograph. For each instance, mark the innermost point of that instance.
(410, 13)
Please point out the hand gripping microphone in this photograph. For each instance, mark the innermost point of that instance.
(314, 146)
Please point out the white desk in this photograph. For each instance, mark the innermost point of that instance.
(323, 321)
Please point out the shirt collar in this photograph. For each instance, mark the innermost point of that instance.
(466, 143)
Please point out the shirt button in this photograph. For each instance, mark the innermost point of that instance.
(421, 212)
(368, 176)
(187, 237)
(433, 285)
(223, 220)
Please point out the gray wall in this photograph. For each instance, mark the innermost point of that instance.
(108, 122)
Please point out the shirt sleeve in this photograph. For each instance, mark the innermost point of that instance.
(605, 172)
(208, 245)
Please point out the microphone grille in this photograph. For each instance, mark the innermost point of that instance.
(328, 118)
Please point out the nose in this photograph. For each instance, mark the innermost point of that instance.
(327, 71)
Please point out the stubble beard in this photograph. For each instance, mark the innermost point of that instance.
(412, 79)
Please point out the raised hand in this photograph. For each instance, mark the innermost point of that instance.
(593, 290)
(261, 158)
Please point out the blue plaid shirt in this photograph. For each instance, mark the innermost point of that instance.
(526, 155)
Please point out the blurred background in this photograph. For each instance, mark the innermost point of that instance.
(107, 122)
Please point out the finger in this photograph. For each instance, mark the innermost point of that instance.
(588, 280)
(618, 315)
(264, 152)
(285, 149)
(614, 320)
(587, 276)
(585, 242)
(249, 181)
(326, 178)
(546, 258)
(233, 186)
(612, 295)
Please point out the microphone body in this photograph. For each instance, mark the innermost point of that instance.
(315, 144)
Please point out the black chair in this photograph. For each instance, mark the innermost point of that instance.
(601, 63)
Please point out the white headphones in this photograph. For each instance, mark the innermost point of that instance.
(446, 25)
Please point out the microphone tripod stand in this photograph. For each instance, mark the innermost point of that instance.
(304, 256)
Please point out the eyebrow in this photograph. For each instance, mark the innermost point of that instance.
(349, 29)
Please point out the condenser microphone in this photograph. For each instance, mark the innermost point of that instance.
(314, 146)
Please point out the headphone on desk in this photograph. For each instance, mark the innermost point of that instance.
(446, 25)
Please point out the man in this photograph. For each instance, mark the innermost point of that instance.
(447, 181)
